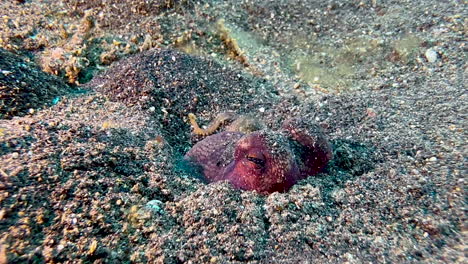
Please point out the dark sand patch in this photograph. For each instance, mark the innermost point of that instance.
(171, 85)
(25, 88)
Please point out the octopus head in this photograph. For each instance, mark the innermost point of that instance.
(264, 162)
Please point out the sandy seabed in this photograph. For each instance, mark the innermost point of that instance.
(94, 104)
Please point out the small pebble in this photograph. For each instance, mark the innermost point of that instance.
(92, 247)
(431, 55)
(155, 206)
(60, 247)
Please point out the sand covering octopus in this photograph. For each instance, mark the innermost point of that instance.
(263, 160)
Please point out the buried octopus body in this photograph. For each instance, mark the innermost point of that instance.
(264, 161)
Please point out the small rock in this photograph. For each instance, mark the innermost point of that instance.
(431, 55)
(92, 247)
(60, 247)
(6, 73)
(155, 206)
(3, 255)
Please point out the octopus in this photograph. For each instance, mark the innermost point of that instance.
(251, 157)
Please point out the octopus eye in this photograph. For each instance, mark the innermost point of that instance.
(256, 159)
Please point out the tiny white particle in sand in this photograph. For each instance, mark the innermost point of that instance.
(173, 58)
(60, 247)
(261, 109)
(432, 159)
(152, 109)
(431, 55)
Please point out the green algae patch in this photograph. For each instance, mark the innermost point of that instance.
(241, 45)
(406, 49)
(332, 69)
(320, 77)
(227, 42)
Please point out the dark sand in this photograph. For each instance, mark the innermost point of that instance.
(91, 166)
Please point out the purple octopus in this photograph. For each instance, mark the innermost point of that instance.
(264, 161)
